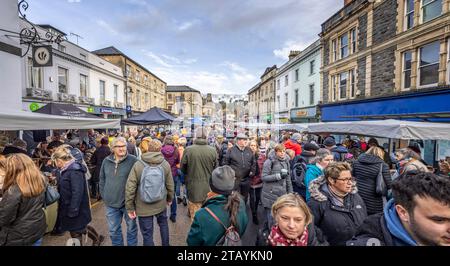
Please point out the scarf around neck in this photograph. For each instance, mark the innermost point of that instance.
(277, 238)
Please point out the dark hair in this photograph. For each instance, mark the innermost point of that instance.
(54, 145)
(406, 186)
(233, 204)
(104, 141)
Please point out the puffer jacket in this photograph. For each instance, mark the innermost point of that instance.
(74, 212)
(339, 153)
(243, 163)
(273, 185)
(366, 170)
(293, 145)
(206, 231)
(170, 153)
(22, 219)
(133, 201)
(338, 224)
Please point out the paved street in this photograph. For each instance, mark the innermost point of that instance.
(178, 231)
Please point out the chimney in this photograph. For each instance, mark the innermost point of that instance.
(347, 2)
(293, 54)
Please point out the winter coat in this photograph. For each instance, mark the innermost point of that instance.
(170, 153)
(113, 178)
(256, 179)
(307, 156)
(180, 155)
(313, 237)
(273, 185)
(206, 231)
(74, 212)
(373, 232)
(133, 201)
(293, 145)
(365, 170)
(198, 162)
(338, 224)
(131, 148)
(97, 159)
(312, 172)
(22, 219)
(243, 163)
(223, 152)
(339, 153)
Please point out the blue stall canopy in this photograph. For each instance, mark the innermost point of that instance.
(390, 128)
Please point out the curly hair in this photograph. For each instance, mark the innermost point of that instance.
(405, 187)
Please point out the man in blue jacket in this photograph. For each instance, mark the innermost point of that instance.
(418, 215)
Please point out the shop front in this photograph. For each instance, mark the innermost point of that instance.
(106, 112)
(304, 115)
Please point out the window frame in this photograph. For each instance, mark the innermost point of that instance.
(346, 86)
(100, 90)
(419, 58)
(312, 66)
(406, 14)
(334, 47)
(343, 46)
(116, 93)
(422, 6)
(333, 88)
(404, 70)
(353, 42)
(296, 98)
(286, 97)
(297, 75)
(352, 83)
(67, 80)
(286, 80)
(311, 93)
(86, 94)
(31, 75)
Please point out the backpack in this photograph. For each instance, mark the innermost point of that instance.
(299, 173)
(231, 236)
(152, 187)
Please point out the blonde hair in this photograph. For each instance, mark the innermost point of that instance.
(376, 151)
(290, 152)
(23, 172)
(62, 153)
(280, 147)
(292, 200)
(182, 141)
(154, 145)
(145, 144)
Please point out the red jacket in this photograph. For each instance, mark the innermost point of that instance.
(289, 144)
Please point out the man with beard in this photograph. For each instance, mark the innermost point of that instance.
(418, 215)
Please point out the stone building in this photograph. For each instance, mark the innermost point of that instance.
(386, 59)
(184, 101)
(145, 89)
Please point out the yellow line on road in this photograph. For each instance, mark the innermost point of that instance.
(95, 204)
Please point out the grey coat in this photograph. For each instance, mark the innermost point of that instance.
(273, 185)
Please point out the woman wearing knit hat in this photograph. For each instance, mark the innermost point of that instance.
(226, 205)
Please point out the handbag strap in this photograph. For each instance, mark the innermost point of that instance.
(216, 218)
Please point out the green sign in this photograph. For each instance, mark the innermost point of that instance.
(34, 107)
(269, 117)
(90, 109)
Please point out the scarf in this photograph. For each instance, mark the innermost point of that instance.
(277, 238)
(336, 197)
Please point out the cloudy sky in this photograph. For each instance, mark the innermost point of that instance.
(218, 46)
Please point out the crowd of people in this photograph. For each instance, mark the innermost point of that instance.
(312, 192)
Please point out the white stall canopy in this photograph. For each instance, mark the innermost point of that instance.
(395, 129)
(22, 120)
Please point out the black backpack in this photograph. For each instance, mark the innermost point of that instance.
(299, 173)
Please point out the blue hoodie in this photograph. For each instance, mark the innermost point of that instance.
(399, 235)
(312, 172)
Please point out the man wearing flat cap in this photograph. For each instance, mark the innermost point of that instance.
(240, 157)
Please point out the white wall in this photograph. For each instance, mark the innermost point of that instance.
(302, 63)
(10, 65)
(50, 74)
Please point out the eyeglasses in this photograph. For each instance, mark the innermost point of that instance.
(347, 180)
(121, 146)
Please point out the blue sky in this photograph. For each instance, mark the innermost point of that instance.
(218, 46)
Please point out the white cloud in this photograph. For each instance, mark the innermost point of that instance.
(188, 24)
(156, 58)
(73, 1)
(103, 24)
(290, 45)
(179, 61)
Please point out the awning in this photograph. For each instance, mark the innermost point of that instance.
(21, 120)
(395, 129)
(154, 116)
(64, 110)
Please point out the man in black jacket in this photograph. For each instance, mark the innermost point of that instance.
(240, 157)
(418, 215)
